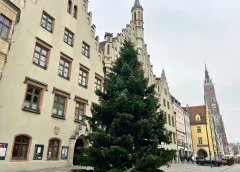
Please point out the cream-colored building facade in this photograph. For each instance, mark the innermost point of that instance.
(48, 83)
(54, 66)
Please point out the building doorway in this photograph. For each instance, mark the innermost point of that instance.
(202, 153)
(79, 143)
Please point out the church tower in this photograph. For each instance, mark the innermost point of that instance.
(210, 98)
(137, 18)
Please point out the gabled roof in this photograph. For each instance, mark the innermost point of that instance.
(196, 110)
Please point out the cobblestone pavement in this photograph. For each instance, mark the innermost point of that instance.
(197, 168)
(172, 168)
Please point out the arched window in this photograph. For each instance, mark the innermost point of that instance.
(135, 16)
(139, 15)
(108, 49)
(75, 12)
(69, 7)
(20, 147)
(53, 149)
(158, 88)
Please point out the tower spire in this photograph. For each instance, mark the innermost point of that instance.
(137, 5)
(207, 77)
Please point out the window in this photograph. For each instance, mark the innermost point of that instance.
(158, 88)
(98, 83)
(40, 56)
(20, 147)
(174, 138)
(34, 95)
(75, 12)
(60, 103)
(173, 123)
(69, 7)
(64, 69)
(135, 16)
(199, 129)
(80, 108)
(47, 22)
(199, 140)
(168, 105)
(83, 76)
(68, 37)
(5, 24)
(108, 49)
(164, 102)
(32, 98)
(169, 119)
(85, 49)
(53, 149)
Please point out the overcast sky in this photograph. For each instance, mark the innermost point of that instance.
(181, 36)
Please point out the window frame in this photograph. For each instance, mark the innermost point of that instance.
(98, 78)
(9, 27)
(69, 7)
(174, 138)
(164, 102)
(43, 45)
(199, 129)
(84, 49)
(47, 22)
(173, 123)
(75, 12)
(200, 138)
(86, 70)
(168, 105)
(84, 102)
(58, 151)
(27, 151)
(62, 94)
(68, 60)
(68, 33)
(169, 119)
(34, 83)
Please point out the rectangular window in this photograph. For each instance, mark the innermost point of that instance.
(169, 119)
(85, 49)
(40, 56)
(168, 105)
(68, 37)
(83, 75)
(174, 138)
(199, 140)
(5, 25)
(98, 84)
(32, 98)
(34, 95)
(199, 129)
(164, 102)
(64, 67)
(47, 22)
(79, 111)
(59, 106)
(173, 123)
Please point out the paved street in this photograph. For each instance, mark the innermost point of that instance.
(197, 168)
(173, 168)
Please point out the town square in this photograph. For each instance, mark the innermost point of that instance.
(119, 86)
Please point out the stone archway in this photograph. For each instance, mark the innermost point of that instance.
(202, 153)
(79, 143)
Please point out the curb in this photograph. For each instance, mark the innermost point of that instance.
(228, 168)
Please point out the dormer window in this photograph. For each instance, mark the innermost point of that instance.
(197, 118)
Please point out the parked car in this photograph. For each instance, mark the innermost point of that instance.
(203, 161)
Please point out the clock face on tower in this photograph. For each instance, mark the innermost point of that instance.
(214, 106)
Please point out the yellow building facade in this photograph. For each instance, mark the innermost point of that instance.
(202, 135)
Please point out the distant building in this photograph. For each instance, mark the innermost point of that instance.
(210, 98)
(203, 141)
(189, 143)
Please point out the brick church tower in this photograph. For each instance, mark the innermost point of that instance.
(210, 98)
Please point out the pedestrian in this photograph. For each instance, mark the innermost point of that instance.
(181, 159)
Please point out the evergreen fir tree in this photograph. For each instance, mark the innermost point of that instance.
(126, 127)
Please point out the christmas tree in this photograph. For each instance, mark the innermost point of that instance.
(127, 126)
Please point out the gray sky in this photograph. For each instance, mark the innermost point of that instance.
(181, 36)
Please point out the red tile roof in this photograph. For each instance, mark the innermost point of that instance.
(193, 111)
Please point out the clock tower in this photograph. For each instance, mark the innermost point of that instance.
(210, 98)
